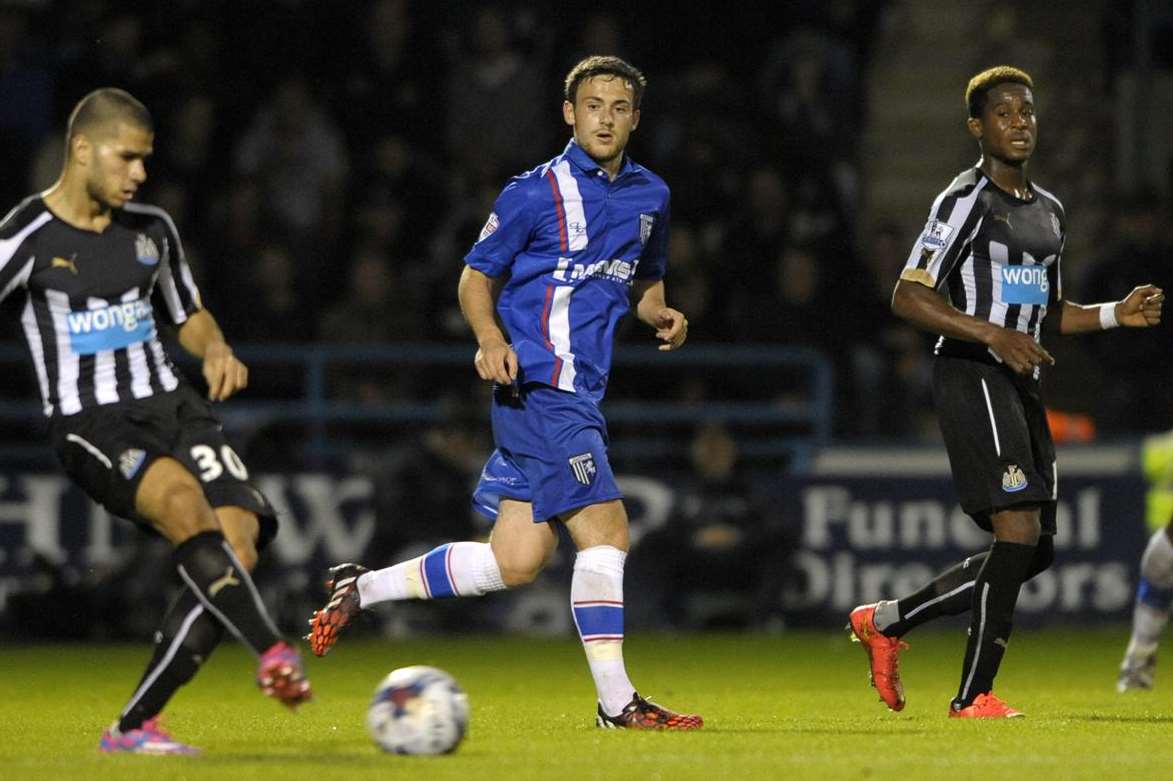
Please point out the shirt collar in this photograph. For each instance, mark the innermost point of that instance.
(577, 155)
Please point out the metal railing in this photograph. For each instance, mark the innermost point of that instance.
(807, 418)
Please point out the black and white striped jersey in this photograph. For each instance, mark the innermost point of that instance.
(91, 300)
(995, 255)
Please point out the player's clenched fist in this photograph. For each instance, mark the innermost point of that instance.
(1142, 307)
(496, 361)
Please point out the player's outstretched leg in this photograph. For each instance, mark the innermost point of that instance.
(1150, 615)
(456, 569)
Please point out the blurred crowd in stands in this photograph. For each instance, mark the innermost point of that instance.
(329, 164)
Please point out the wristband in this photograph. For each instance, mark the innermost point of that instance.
(1108, 316)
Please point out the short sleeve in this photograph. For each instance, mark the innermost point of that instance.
(505, 234)
(952, 221)
(653, 261)
(175, 288)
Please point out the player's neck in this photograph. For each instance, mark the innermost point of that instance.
(70, 202)
(612, 166)
(1009, 177)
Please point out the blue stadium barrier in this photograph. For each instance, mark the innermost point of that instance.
(808, 420)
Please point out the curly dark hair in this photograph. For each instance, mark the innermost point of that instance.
(981, 84)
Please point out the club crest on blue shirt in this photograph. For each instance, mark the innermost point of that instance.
(646, 221)
(583, 467)
(490, 228)
(145, 250)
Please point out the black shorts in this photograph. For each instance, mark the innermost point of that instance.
(997, 437)
(106, 450)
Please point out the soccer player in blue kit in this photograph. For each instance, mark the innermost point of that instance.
(569, 245)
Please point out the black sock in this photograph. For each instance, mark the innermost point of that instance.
(995, 592)
(185, 640)
(949, 594)
(207, 566)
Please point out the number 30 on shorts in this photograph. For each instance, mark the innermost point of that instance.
(212, 466)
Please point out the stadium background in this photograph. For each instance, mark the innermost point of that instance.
(328, 164)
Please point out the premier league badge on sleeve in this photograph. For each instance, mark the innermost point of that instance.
(936, 235)
(583, 467)
(646, 221)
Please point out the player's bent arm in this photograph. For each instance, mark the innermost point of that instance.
(478, 293)
(650, 307)
(200, 332)
(649, 299)
(925, 308)
(201, 336)
(1139, 309)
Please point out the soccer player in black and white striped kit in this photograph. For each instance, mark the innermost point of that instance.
(984, 275)
(97, 271)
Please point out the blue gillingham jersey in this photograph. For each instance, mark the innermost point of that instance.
(571, 242)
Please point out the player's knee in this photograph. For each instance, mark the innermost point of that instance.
(1015, 526)
(246, 553)
(519, 569)
(184, 512)
(1044, 556)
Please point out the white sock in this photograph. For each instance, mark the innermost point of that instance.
(887, 613)
(596, 597)
(1153, 595)
(456, 569)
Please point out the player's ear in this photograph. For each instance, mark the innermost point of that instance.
(974, 125)
(635, 119)
(81, 149)
(568, 112)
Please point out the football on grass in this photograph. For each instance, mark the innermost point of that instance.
(418, 710)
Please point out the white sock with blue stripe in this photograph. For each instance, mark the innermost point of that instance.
(455, 569)
(596, 596)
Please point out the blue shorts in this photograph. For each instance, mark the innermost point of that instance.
(551, 452)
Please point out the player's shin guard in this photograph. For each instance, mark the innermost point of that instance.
(207, 566)
(596, 595)
(1153, 596)
(455, 569)
(185, 640)
(995, 592)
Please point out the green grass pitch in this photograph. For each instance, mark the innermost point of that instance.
(791, 706)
